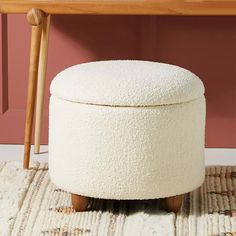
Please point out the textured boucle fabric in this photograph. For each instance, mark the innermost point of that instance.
(127, 83)
(126, 152)
(126, 130)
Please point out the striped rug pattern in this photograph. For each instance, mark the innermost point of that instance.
(30, 205)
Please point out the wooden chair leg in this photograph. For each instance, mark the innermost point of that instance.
(79, 203)
(174, 203)
(35, 18)
(41, 83)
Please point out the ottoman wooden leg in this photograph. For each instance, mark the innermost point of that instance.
(79, 203)
(174, 203)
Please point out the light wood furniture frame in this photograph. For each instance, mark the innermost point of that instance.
(128, 7)
(37, 72)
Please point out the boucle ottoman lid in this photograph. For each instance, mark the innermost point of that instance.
(127, 83)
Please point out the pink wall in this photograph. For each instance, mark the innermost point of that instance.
(205, 45)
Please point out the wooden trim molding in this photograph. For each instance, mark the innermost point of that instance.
(3, 65)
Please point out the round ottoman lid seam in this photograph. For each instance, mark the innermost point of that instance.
(134, 106)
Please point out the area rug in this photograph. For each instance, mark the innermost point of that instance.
(30, 205)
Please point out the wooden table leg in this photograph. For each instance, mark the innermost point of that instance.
(41, 83)
(35, 18)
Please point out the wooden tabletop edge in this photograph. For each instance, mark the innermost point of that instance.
(126, 7)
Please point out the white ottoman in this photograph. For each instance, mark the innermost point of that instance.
(126, 130)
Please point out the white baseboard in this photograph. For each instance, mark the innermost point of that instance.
(9, 152)
(213, 156)
(220, 156)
